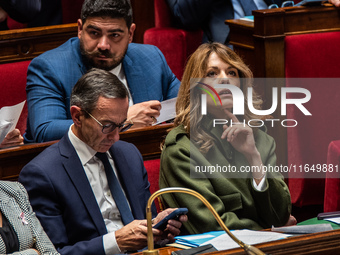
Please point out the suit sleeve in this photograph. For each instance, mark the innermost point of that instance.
(48, 209)
(47, 102)
(171, 83)
(273, 204)
(22, 11)
(190, 14)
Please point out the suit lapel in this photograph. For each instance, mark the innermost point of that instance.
(129, 188)
(77, 175)
(135, 79)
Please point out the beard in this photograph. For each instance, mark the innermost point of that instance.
(90, 58)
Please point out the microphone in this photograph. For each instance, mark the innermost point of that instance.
(151, 251)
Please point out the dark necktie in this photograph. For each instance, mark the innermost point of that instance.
(116, 190)
(248, 6)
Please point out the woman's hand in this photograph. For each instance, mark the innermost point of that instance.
(240, 136)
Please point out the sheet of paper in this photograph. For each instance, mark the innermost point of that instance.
(248, 18)
(168, 110)
(334, 220)
(9, 116)
(224, 242)
(304, 229)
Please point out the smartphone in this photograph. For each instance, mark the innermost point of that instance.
(174, 215)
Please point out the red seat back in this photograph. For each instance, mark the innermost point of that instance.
(152, 167)
(332, 185)
(307, 57)
(176, 44)
(13, 88)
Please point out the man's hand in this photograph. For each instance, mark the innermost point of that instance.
(3, 15)
(144, 114)
(133, 236)
(13, 138)
(173, 227)
(335, 2)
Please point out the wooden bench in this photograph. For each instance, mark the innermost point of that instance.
(28, 43)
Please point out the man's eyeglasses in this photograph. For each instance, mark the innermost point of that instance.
(284, 4)
(108, 128)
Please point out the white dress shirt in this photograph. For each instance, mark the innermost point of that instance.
(95, 172)
(119, 72)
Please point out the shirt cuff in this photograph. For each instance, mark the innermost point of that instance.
(110, 244)
(262, 185)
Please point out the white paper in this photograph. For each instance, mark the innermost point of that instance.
(168, 110)
(9, 116)
(335, 220)
(224, 242)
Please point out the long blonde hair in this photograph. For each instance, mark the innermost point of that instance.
(188, 106)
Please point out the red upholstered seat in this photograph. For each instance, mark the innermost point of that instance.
(12, 24)
(332, 185)
(175, 44)
(307, 55)
(152, 167)
(13, 88)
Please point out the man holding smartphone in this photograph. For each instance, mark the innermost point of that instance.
(90, 190)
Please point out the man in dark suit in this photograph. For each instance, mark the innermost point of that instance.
(79, 199)
(22, 11)
(105, 33)
(210, 15)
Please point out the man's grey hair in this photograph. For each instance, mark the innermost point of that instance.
(94, 84)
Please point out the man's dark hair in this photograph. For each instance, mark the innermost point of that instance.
(94, 84)
(115, 9)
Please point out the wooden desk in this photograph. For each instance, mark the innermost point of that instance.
(261, 44)
(28, 43)
(147, 140)
(325, 243)
(262, 41)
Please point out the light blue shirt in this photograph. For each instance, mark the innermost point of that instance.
(238, 11)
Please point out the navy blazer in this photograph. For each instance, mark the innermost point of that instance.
(208, 15)
(63, 200)
(52, 75)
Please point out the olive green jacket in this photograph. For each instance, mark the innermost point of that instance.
(238, 203)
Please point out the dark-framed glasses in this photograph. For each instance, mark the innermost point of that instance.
(108, 128)
(284, 4)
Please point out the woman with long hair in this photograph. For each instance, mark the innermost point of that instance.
(228, 164)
